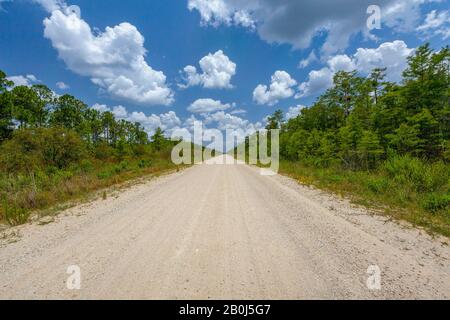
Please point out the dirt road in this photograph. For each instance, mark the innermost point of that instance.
(222, 232)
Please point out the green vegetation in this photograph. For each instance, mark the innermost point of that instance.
(54, 149)
(403, 187)
(386, 144)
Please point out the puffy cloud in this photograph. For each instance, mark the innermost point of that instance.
(208, 106)
(293, 112)
(225, 121)
(191, 77)
(281, 87)
(62, 86)
(341, 63)
(243, 18)
(212, 117)
(217, 12)
(436, 23)
(298, 22)
(101, 107)
(113, 59)
(26, 80)
(120, 112)
(170, 122)
(392, 55)
(322, 79)
(318, 80)
(212, 12)
(216, 72)
(166, 121)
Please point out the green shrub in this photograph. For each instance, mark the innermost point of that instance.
(105, 175)
(122, 166)
(103, 151)
(439, 176)
(86, 166)
(377, 184)
(51, 170)
(13, 214)
(139, 150)
(31, 149)
(61, 147)
(437, 202)
(335, 178)
(423, 177)
(144, 163)
(405, 169)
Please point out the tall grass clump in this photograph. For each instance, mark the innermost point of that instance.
(418, 175)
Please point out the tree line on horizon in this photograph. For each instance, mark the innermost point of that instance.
(35, 119)
(55, 149)
(362, 121)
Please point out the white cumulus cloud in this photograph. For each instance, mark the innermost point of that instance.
(113, 59)
(216, 72)
(217, 12)
(208, 106)
(26, 80)
(281, 87)
(341, 62)
(168, 121)
(318, 81)
(225, 121)
(390, 55)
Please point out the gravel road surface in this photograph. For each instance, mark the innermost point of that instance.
(222, 232)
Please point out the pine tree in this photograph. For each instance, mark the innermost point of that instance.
(158, 139)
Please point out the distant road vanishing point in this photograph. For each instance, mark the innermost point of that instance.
(223, 232)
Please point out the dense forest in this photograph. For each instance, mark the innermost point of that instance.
(386, 142)
(55, 148)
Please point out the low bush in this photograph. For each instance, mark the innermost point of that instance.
(421, 176)
(377, 184)
(145, 163)
(437, 203)
(33, 149)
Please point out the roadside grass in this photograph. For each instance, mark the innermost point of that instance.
(23, 194)
(403, 187)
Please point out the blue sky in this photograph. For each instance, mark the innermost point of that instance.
(255, 53)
